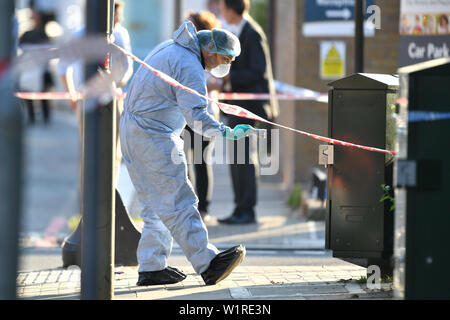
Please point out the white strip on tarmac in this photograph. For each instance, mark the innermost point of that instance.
(261, 252)
(299, 245)
(312, 231)
(240, 293)
(354, 288)
(311, 252)
(296, 252)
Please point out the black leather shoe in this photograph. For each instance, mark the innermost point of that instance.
(243, 219)
(168, 275)
(223, 264)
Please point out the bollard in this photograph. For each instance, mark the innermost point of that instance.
(127, 238)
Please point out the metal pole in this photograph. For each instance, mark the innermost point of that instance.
(97, 260)
(271, 13)
(359, 35)
(11, 134)
(177, 13)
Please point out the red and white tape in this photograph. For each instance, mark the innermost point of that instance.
(222, 96)
(226, 108)
(243, 113)
(55, 95)
(266, 96)
(48, 95)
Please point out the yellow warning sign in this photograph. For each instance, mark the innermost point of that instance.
(332, 62)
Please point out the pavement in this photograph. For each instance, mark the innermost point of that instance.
(51, 200)
(244, 283)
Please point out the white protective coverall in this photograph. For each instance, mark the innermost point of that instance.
(154, 116)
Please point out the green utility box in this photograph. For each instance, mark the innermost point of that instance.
(359, 227)
(422, 180)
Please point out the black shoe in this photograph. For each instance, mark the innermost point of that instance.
(222, 265)
(167, 276)
(241, 219)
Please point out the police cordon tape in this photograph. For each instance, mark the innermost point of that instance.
(413, 116)
(290, 93)
(285, 92)
(243, 113)
(226, 108)
(55, 95)
(48, 95)
(267, 96)
(425, 116)
(222, 96)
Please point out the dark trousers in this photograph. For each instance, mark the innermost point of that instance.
(45, 110)
(199, 172)
(48, 82)
(243, 175)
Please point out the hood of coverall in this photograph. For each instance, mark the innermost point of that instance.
(186, 36)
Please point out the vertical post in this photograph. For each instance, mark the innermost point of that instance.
(11, 129)
(97, 260)
(359, 35)
(177, 13)
(271, 13)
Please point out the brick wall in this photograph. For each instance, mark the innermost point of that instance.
(381, 56)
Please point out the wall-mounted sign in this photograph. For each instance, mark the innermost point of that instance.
(324, 18)
(424, 30)
(332, 60)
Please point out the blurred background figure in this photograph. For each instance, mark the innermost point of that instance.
(251, 72)
(122, 39)
(418, 28)
(431, 24)
(213, 7)
(71, 73)
(39, 79)
(443, 27)
(404, 25)
(124, 67)
(200, 160)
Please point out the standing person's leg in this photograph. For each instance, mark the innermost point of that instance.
(249, 171)
(243, 176)
(233, 157)
(155, 244)
(204, 177)
(48, 82)
(244, 182)
(45, 110)
(154, 248)
(236, 177)
(30, 109)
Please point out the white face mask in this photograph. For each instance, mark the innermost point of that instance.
(221, 70)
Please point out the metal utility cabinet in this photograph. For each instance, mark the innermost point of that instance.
(359, 228)
(422, 180)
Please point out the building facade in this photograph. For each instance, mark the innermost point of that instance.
(297, 62)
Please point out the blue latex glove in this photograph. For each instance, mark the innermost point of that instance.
(239, 132)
